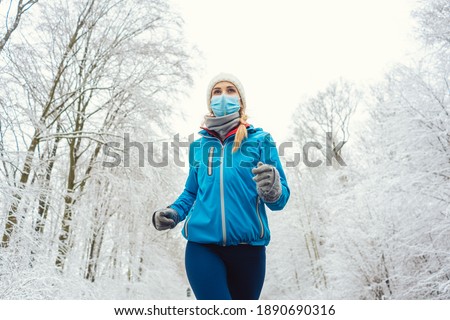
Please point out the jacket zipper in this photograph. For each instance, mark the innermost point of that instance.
(211, 151)
(259, 217)
(222, 198)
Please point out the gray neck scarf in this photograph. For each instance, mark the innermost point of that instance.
(224, 124)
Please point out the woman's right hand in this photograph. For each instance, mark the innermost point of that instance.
(166, 218)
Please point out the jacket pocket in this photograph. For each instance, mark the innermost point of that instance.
(261, 224)
(188, 219)
(210, 160)
(186, 226)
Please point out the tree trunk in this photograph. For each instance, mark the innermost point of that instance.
(64, 245)
(11, 220)
(43, 199)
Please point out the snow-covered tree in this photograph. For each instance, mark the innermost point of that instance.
(93, 73)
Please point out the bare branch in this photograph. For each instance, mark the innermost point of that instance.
(21, 9)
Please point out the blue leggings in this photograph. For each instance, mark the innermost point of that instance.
(225, 273)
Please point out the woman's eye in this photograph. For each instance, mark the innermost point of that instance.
(216, 92)
(231, 90)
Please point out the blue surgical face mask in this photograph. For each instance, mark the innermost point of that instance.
(224, 104)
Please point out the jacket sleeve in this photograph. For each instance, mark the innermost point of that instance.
(187, 198)
(269, 155)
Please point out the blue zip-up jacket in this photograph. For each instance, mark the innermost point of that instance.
(220, 203)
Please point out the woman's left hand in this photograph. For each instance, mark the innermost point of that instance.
(267, 181)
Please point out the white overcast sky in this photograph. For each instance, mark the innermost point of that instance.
(286, 50)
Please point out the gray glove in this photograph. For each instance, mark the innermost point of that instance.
(166, 218)
(268, 182)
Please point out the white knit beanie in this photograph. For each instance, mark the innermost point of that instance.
(225, 77)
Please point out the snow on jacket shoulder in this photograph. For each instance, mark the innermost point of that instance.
(220, 203)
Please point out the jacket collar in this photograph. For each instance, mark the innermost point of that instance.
(206, 132)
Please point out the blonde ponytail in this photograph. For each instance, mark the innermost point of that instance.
(241, 132)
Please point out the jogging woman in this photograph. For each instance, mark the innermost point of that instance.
(234, 173)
